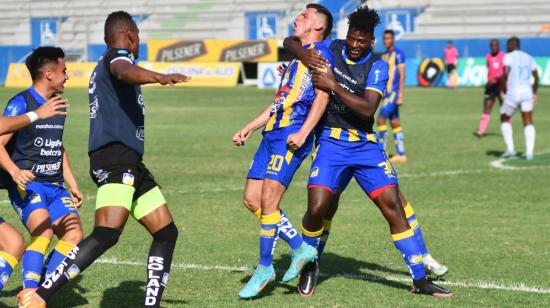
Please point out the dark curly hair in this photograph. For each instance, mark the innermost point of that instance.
(364, 19)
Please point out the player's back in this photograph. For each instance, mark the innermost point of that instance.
(521, 66)
(296, 92)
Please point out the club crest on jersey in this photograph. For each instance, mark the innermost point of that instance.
(36, 199)
(140, 133)
(128, 179)
(314, 172)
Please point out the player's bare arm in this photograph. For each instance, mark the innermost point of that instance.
(401, 70)
(244, 133)
(364, 107)
(133, 74)
(20, 177)
(54, 106)
(535, 85)
(311, 58)
(70, 180)
(296, 140)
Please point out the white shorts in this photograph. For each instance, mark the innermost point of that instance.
(509, 106)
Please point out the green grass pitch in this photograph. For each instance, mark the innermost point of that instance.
(486, 220)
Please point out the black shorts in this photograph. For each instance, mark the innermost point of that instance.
(492, 91)
(451, 68)
(117, 163)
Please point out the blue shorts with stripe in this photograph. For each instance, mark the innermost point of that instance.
(52, 197)
(336, 162)
(274, 160)
(389, 109)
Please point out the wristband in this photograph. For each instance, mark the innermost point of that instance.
(32, 116)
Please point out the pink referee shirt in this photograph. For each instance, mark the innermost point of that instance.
(495, 65)
(451, 56)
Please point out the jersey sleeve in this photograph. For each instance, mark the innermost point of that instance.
(378, 77)
(16, 106)
(327, 54)
(116, 54)
(399, 57)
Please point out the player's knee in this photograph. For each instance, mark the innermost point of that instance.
(251, 202)
(73, 236)
(108, 237)
(168, 234)
(13, 244)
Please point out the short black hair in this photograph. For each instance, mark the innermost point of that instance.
(40, 57)
(117, 19)
(364, 19)
(323, 11)
(514, 39)
(390, 32)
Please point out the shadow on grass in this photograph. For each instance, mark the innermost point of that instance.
(335, 266)
(499, 153)
(130, 294)
(72, 293)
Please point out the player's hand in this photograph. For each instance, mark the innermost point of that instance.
(312, 59)
(242, 135)
(281, 69)
(76, 196)
(54, 106)
(400, 101)
(22, 177)
(172, 79)
(324, 79)
(295, 141)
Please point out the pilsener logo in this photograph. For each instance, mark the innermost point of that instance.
(246, 51)
(182, 51)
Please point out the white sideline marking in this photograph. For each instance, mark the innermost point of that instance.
(474, 284)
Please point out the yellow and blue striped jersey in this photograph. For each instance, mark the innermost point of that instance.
(296, 92)
(393, 58)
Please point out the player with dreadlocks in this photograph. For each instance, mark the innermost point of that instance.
(348, 147)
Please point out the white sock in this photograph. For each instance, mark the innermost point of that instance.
(507, 133)
(530, 134)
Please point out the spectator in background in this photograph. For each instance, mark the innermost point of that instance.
(451, 60)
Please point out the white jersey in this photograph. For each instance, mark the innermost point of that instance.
(521, 67)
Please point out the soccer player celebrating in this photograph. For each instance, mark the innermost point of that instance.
(348, 147)
(12, 244)
(38, 165)
(116, 146)
(451, 60)
(493, 88)
(287, 140)
(518, 68)
(393, 100)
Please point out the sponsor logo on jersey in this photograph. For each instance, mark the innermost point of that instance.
(183, 51)
(49, 143)
(44, 152)
(35, 199)
(246, 51)
(47, 169)
(314, 172)
(94, 107)
(49, 126)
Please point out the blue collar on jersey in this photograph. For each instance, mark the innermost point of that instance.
(39, 99)
(348, 61)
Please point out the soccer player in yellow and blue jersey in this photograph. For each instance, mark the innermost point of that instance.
(393, 99)
(287, 140)
(347, 147)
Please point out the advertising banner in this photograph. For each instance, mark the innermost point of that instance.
(212, 51)
(79, 75)
(203, 74)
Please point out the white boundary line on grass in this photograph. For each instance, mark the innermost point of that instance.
(474, 284)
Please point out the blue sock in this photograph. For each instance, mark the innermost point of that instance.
(407, 244)
(33, 260)
(413, 222)
(288, 232)
(312, 238)
(268, 237)
(399, 138)
(57, 256)
(7, 264)
(324, 237)
(382, 134)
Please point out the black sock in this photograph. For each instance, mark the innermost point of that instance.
(158, 264)
(84, 254)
